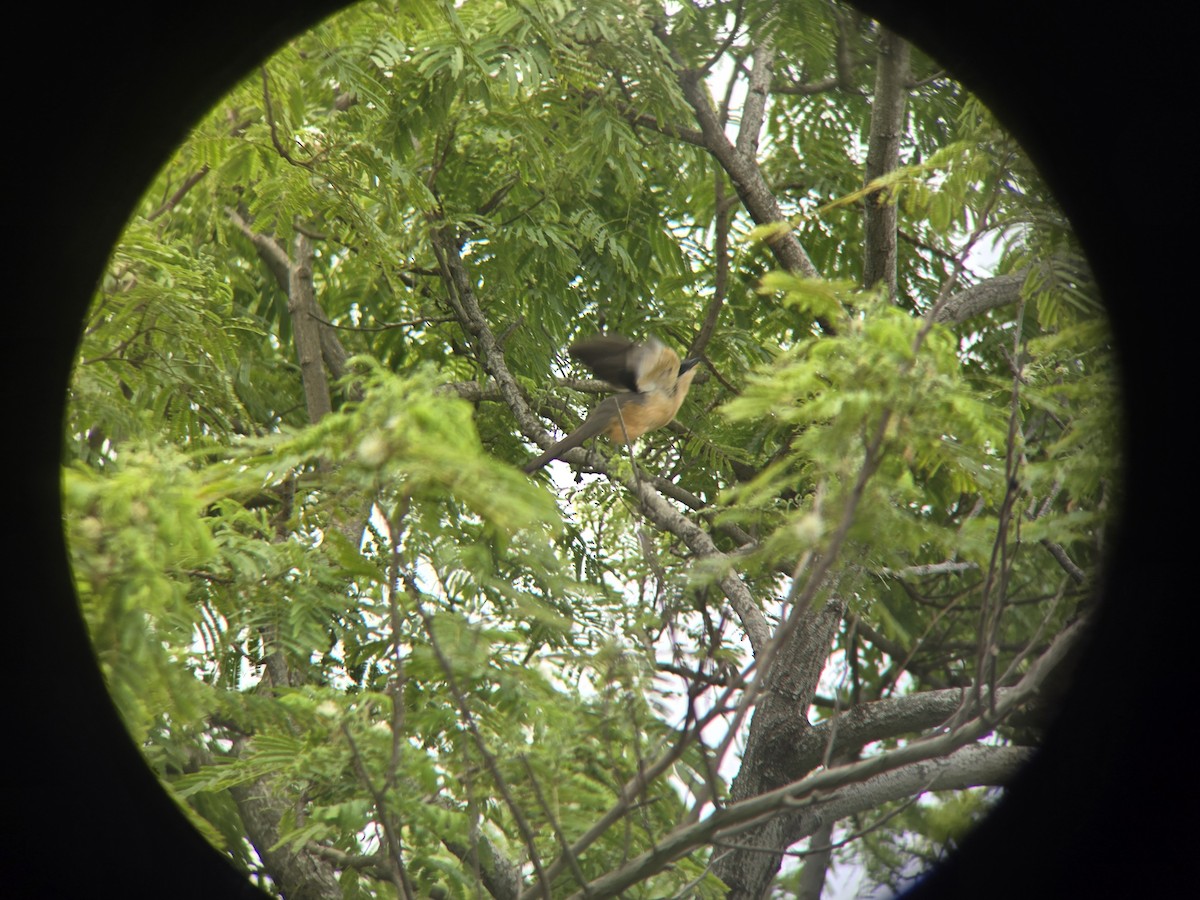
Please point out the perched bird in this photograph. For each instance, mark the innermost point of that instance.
(656, 383)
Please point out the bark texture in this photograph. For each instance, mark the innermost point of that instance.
(883, 155)
(779, 724)
(300, 875)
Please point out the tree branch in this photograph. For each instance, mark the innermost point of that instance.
(743, 171)
(306, 331)
(883, 156)
(269, 250)
(500, 877)
(992, 293)
(171, 202)
(657, 509)
(298, 873)
(755, 106)
(828, 796)
(942, 768)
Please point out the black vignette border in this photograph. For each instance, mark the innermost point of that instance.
(1068, 83)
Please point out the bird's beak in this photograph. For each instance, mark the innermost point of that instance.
(687, 364)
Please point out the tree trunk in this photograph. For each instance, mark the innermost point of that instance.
(883, 155)
(302, 305)
(777, 728)
(299, 875)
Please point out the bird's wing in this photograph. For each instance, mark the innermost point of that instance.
(616, 359)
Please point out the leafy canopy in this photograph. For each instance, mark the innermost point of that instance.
(443, 670)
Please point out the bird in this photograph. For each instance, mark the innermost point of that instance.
(656, 383)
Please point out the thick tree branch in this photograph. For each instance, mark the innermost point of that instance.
(767, 761)
(826, 788)
(755, 106)
(792, 668)
(806, 89)
(883, 155)
(827, 796)
(306, 330)
(500, 877)
(271, 252)
(298, 873)
(975, 765)
(743, 171)
(816, 863)
(466, 309)
(877, 721)
(992, 293)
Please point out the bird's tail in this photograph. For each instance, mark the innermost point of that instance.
(601, 418)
